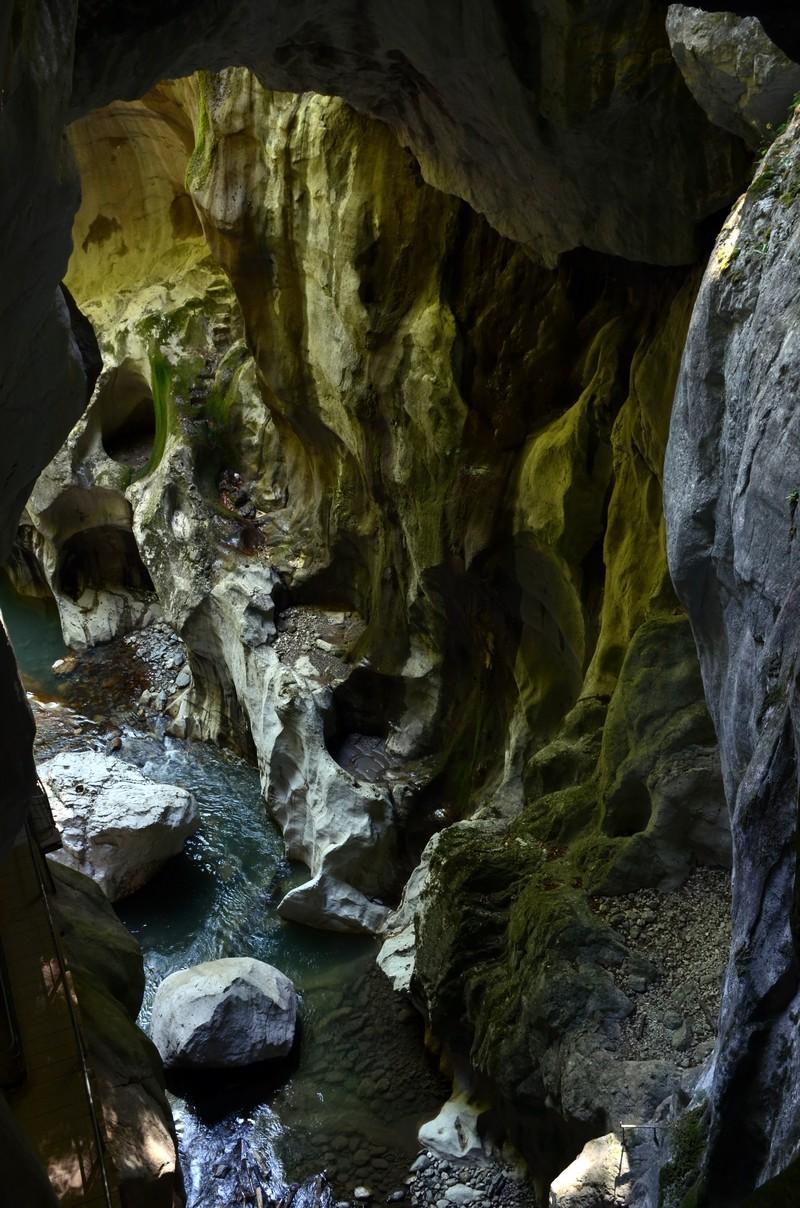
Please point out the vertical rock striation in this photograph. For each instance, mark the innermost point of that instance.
(732, 482)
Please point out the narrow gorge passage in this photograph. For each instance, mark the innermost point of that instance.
(353, 1096)
(397, 545)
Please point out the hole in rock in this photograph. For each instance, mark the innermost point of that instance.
(101, 559)
(365, 708)
(127, 417)
(627, 811)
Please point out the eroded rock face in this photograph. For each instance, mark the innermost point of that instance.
(736, 74)
(224, 1014)
(565, 128)
(731, 494)
(494, 520)
(490, 523)
(116, 826)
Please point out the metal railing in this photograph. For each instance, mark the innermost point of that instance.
(42, 874)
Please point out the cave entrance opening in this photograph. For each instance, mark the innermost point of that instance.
(104, 558)
(127, 417)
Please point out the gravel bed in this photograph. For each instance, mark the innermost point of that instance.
(320, 636)
(439, 1183)
(685, 937)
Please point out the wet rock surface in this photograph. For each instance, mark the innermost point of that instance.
(383, 1086)
(364, 755)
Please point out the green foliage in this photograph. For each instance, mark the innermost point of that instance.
(764, 181)
(202, 158)
(163, 405)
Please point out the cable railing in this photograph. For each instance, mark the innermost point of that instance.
(42, 876)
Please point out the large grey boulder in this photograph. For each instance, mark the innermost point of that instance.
(224, 1013)
(332, 905)
(742, 80)
(117, 826)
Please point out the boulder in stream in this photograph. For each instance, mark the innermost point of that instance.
(225, 1013)
(117, 826)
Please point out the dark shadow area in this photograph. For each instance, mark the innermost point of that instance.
(127, 417)
(627, 811)
(101, 559)
(215, 1094)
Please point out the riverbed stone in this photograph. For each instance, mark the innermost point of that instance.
(459, 1193)
(226, 1013)
(333, 905)
(117, 826)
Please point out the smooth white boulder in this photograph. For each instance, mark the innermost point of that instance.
(117, 826)
(332, 905)
(224, 1013)
(592, 1178)
(453, 1134)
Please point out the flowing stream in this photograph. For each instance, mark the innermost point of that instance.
(352, 1096)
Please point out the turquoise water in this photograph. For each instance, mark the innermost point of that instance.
(352, 1097)
(218, 898)
(35, 633)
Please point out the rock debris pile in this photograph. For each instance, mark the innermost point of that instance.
(164, 656)
(322, 637)
(435, 1181)
(685, 936)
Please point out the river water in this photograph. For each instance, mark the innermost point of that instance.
(353, 1095)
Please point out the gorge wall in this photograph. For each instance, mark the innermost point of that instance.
(461, 450)
(448, 432)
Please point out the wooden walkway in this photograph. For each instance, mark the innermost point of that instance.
(52, 1105)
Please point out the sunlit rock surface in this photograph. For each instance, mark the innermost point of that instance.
(735, 73)
(223, 1014)
(106, 965)
(117, 826)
